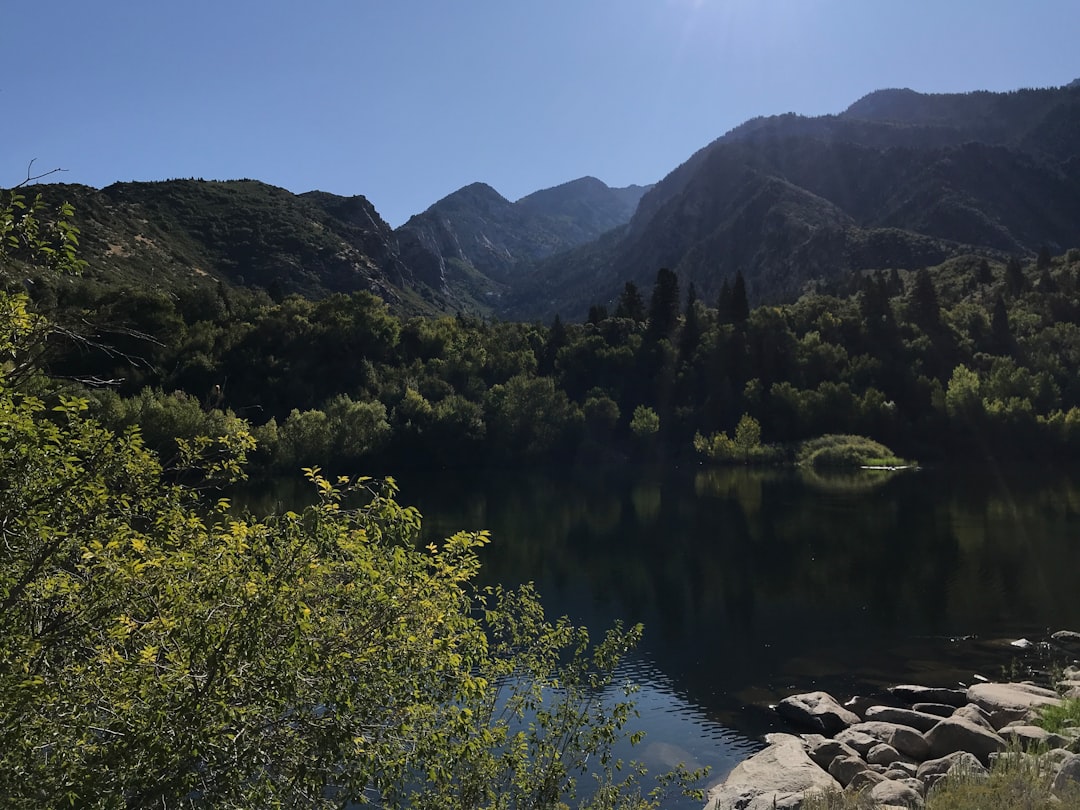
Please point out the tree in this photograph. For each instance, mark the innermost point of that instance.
(1015, 280)
(645, 423)
(740, 306)
(664, 305)
(631, 305)
(160, 650)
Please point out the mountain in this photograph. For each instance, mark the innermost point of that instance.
(899, 179)
(476, 230)
(182, 232)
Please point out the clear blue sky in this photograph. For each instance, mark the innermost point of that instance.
(404, 101)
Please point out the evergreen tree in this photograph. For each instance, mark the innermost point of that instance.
(740, 305)
(664, 304)
(597, 313)
(691, 331)
(983, 275)
(1001, 339)
(631, 305)
(1015, 280)
(724, 311)
(923, 307)
(1043, 260)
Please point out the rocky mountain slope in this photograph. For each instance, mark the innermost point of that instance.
(477, 229)
(899, 179)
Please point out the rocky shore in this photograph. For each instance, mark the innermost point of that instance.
(895, 746)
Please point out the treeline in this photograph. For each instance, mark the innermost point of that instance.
(970, 357)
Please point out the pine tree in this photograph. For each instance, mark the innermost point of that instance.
(664, 304)
(631, 305)
(740, 305)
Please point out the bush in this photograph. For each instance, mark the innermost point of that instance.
(840, 451)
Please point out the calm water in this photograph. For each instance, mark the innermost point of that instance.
(755, 584)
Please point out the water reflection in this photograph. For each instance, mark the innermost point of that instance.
(752, 584)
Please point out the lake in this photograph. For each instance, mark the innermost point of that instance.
(753, 584)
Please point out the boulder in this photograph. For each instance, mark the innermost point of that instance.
(929, 694)
(889, 792)
(781, 773)
(826, 751)
(859, 740)
(1005, 702)
(863, 780)
(901, 770)
(1031, 736)
(903, 717)
(905, 739)
(1068, 776)
(818, 711)
(934, 769)
(954, 734)
(974, 714)
(843, 769)
(1069, 639)
(883, 754)
(937, 709)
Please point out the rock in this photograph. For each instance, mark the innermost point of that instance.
(935, 769)
(905, 739)
(863, 780)
(896, 793)
(1031, 736)
(1010, 701)
(843, 769)
(1022, 643)
(1066, 638)
(1071, 673)
(782, 772)
(956, 734)
(819, 711)
(901, 769)
(1068, 777)
(903, 717)
(827, 750)
(929, 694)
(976, 715)
(883, 754)
(859, 704)
(859, 740)
(936, 709)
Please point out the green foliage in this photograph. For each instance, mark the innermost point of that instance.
(1058, 718)
(645, 423)
(161, 651)
(845, 451)
(744, 448)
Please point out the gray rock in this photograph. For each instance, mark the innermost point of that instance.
(1031, 736)
(860, 703)
(933, 770)
(883, 754)
(937, 709)
(896, 793)
(976, 715)
(929, 694)
(956, 734)
(1068, 777)
(782, 772)
(843, 769)
(903, 717)
(1066, 638)
(901, 769)
(859, 740)
(826, 751)
(819, 711)
(905, 739)
(1005, 702)
(863, 780)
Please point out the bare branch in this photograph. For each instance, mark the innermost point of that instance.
(35, 177)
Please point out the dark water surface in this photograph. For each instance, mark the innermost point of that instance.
(756, 584)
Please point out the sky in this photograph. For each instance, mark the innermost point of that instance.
(405, 101)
